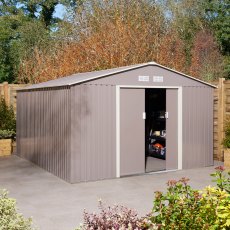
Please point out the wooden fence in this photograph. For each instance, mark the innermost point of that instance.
(221, 109)
(221, 112)
(9, 93)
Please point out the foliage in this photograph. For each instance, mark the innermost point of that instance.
(10, 219)
(227, 66)
(8, 35)
(25, 25)
(178, 208)
(108, 34)
(186, 17)
(226, 141)
(36, 46)
(206, 62)
(7, 134)
(223, 214)
(214, 209)
(34, 9)
(222, 179)
(217, 14)
(7, 117)
(115, 217)
(181, 207)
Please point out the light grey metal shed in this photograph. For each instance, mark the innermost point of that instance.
(106, 124)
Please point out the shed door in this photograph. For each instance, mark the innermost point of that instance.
(132, 131)
(172, 129)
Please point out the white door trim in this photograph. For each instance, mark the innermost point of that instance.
(118, 147)
(180, 128)
(118, 87)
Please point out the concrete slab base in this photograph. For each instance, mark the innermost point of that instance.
(56, 205)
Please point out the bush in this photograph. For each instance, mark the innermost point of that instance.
(7, 134)
(10, 219)
(182, 207)
(178, 207)
(214, 210)
(7, 117)
(222, 179)
(115, 218)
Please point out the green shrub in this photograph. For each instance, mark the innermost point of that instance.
(10, 219)
(214, 207)
(222, 178)
(182, 207)
(7, 117)
(7, 134)
(178, 207)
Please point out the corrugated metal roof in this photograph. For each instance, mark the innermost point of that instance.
(88, 76)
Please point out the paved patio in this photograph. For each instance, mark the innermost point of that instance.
(56, 205)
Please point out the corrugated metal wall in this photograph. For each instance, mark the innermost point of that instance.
(197, 110)
(43, 129)
(93, 149)
(197, 127)
(71, 132)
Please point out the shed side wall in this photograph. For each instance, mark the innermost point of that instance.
(43, 129)
(197, 127)
(93, 118)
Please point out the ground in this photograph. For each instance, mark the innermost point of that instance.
(57, 205)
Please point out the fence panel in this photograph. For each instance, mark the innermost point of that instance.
(221, 111)
(9, 93)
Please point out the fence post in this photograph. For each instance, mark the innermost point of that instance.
(6, 92)
(221, 118)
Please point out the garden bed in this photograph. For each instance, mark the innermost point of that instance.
(7, 129)
(5, 147)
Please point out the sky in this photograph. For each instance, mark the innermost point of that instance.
(59, 11)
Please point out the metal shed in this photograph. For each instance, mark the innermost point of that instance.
(116, 122)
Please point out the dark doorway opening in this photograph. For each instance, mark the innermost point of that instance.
(155, 130)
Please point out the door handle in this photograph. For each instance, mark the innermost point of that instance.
(166, 115)
(144, 115)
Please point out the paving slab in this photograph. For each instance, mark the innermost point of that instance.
(57, 205)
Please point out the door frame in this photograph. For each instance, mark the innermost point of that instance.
(179, 112)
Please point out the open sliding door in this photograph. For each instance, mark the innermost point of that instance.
(132, 131)
(172, 129)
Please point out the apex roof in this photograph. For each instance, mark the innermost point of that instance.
(89, 76)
